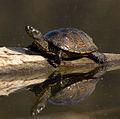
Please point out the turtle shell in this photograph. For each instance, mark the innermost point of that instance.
(72, 40)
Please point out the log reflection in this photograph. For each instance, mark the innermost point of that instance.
(65, 89)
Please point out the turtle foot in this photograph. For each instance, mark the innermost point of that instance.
(98, 57)
(53, 63)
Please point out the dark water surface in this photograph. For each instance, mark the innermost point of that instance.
(99, 18)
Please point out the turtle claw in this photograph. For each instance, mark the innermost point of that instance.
(53, 63)
(101, 58)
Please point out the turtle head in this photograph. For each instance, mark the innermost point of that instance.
(32, 32)
(39, 40)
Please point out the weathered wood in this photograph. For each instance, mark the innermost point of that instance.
(20, 68)
(13, 60)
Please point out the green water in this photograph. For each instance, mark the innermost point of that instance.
(99, 18)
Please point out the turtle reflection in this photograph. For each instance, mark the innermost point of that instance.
(66, 89)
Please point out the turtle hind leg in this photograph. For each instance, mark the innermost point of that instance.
(98, 57)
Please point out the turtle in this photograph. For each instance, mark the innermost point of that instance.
(65, 44)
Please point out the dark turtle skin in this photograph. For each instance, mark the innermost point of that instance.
(65, 44)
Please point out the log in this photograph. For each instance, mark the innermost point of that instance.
(20, 67)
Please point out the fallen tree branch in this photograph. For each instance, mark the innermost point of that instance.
(20, 68)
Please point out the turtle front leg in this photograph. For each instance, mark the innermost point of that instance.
(98, 57)
(55, 62)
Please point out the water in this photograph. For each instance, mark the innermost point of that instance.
(99, 18)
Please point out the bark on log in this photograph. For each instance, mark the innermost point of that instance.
(20, 67)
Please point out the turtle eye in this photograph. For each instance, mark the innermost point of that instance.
(30, 28)
(34, 31)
